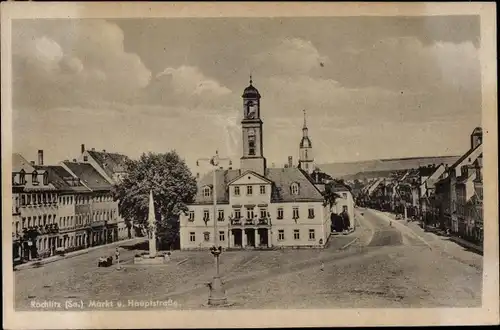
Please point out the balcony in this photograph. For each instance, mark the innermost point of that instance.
(250, 222)
(235, 222)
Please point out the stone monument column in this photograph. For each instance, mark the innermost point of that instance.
(152, 227)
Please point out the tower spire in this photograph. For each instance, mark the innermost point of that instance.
(251, 81)
(305, 124)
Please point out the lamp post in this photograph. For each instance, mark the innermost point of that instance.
(217, 295)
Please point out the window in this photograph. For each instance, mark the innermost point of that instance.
(206, 215)
(222, 236)
(206, 192)
(263, 213)
(295, 212)
(250, 213)
(206, 236)
(312, 235)
(221, 215)
(22, 177)
(311, 213)
(344, 208)
(236, 191)
(85, 158)
(28, 199)
(192, 237)
(44, 198)
(262, 190)
(251, 147)
(296, 234)
(249, 190)
(23, 222)
(237, 214)
(46, 178)
(34, 177)
(39, 199)
(23, 199)
(251, 142)
(280, 213)
(191, 215)
(294, 189)
(344, 195)
(45, 219)
(281, 235)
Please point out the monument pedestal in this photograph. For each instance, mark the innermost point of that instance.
(217, 295)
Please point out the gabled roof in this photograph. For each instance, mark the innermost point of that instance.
(19, 163)
(281, 180)
(252, 173)
(465, 156)
(111, 163)
(63, 180)
(89, 176)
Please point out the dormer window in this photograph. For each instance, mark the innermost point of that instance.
(207, 192)
(34, 177)
(294, 188)
(22, 177)
(46, 178)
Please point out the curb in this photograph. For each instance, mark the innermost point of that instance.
(35, 264)
(466, 244)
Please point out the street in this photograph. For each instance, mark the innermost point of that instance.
(380, 265)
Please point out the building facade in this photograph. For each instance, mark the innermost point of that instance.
(113, 167)
(35, 227)
(257, 207)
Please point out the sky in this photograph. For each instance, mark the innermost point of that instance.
(373, 87)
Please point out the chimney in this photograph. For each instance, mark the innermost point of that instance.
(290, 161)
(103, 150)
(32, 162)
(93, 149)
(82, 148)
(197, 175)
(40, 157)
(74, 160)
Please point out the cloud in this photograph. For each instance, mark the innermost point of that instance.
(405, 63)
(290, 56)
(71, 62)
(190, 81)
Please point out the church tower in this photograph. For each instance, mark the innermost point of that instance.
(251, 125)
(306, 159)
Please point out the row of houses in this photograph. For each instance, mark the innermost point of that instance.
(65, 207)
(445, 196)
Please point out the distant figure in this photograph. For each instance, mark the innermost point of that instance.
(117, 253)
(322, 267)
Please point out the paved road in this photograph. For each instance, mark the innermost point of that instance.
(387, 266)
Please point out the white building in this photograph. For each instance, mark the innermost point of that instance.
(257, 206)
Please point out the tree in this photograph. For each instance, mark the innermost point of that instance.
(173, 186)
(330, 196)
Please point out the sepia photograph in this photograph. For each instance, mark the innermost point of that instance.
(247, 161)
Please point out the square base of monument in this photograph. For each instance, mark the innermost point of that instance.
(147, 260)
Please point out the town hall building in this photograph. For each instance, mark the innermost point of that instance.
(257, 206)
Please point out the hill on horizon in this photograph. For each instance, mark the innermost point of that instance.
(381, 167)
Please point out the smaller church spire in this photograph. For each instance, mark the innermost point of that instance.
(305, 124)
(251, 81)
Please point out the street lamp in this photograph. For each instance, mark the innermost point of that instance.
(217, 296)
